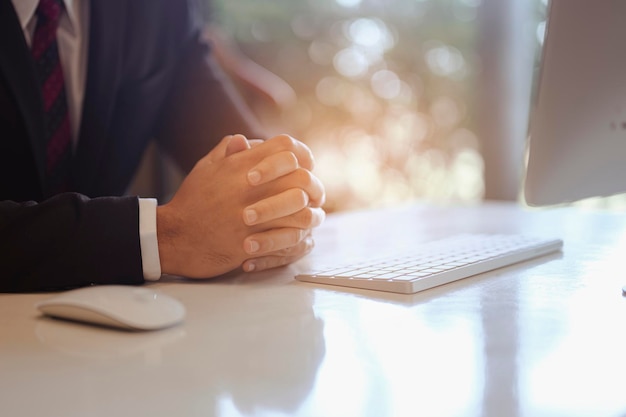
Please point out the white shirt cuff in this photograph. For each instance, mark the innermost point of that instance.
(150, 260)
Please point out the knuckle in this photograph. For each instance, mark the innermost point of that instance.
(296, 236)
(301, 198)
(304, 177)
(321, 216)
(292, 159)
(286, 160)
(286, 141)
(260, 264)
(264, 211)
(269, 262)
(263, 167)
(268, 245)
(306, 217)
(310, 244)
(269, 212)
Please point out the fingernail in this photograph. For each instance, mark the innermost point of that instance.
(253, 246)
(250, 215)
(250, 266)
(254, 177)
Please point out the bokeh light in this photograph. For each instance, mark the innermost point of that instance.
(385, 92)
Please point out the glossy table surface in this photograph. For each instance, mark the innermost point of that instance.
(545, 337)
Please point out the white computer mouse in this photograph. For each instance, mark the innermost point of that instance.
(121, 306)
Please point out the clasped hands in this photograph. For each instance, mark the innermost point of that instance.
(247, 203)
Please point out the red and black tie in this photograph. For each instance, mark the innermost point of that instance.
(45, 51)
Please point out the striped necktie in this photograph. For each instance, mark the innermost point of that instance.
(45, 52)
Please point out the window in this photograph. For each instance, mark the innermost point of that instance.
(383, 91)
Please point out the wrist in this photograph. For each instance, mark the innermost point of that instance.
(167, 234)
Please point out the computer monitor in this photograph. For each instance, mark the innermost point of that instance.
(577, 135)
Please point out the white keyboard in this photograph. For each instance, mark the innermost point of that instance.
(434, 263)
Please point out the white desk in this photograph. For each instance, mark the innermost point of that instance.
(543, 338)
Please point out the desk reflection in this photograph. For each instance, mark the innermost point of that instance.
(261, 361)
(271, 367)
(85, 341)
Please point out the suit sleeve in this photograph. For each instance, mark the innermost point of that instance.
(203, 104)
(69, 241)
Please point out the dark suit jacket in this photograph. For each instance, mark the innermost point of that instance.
(149, 76)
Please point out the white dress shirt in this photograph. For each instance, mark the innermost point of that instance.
(72, 38)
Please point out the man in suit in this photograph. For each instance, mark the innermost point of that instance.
(131, 71)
